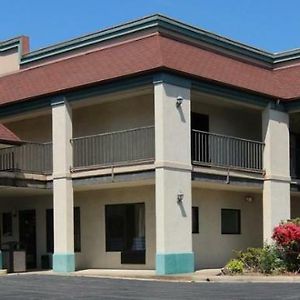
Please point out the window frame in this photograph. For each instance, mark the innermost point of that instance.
(124, 206)
(128, 254)
(195, 228)
(50, 230)
(5, 217)
(238, 211)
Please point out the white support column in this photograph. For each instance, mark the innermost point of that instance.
(63, 258)
(174, 252)
(276, 193)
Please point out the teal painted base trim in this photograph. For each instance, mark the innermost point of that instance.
(64, 262)
(174, 263)
(1, 261)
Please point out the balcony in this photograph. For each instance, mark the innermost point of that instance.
(215, 150)
(115, 148)
(27, 158)
(134, 146)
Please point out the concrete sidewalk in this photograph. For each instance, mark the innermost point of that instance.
(208, 275)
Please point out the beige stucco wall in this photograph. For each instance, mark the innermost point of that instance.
(276, 164)
(92, 217)
(295, 207)
(213, 249)
(36, 129)
(111, 116)
(92, 206)
(98, 118)
(173, 170)
(227, 120)
(9, 61)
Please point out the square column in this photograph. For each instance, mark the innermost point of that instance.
(276, 192)
(63, 257)
(173, 195)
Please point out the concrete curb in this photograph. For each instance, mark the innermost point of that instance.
(256, 279)
(189, 278)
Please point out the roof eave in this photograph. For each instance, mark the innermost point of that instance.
(159, 23)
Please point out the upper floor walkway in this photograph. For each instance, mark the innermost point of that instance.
(117, 128)
(134, 146)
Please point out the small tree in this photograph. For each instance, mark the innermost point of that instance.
(287, 238)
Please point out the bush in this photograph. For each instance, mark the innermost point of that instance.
(235, 266)
(280, 257)
(265, 260)
(270, 260)
(251, 258)
(287, 239)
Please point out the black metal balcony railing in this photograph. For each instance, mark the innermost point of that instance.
(134, 146)
(224, 151)
(114, 148)
(29, 157)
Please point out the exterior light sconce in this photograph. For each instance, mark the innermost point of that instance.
(180, 196)
(249, 199)
(179, 101)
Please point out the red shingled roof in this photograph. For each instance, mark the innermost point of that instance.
(138, 56)
(282, 83)
(7, 136)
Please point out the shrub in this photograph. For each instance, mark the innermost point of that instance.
(270, 260)
(287, 235)
(282, 256)
(265, 260)
(235, 266)
(287, 238)
(251, 258)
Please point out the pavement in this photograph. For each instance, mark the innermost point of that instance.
(207, 275)
(33, 287)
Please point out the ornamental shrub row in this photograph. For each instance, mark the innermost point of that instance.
(280, 257)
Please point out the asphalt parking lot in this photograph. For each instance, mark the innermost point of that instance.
(71, 287)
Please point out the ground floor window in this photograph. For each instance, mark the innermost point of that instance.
(231, 221)
(7, 228)
(195, 219)
(50, 230)
(125, 231)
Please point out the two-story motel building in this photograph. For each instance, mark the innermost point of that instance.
(149, 145)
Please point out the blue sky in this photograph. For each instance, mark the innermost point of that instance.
(272, 25)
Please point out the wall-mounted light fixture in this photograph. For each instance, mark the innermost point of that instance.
(249, 199)
(179, 101)
(180, 196)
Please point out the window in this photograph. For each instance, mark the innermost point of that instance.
(50, 230)
(195, 219)
(77, 233)
(125, 231)
(231, 221)
(7, 228)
